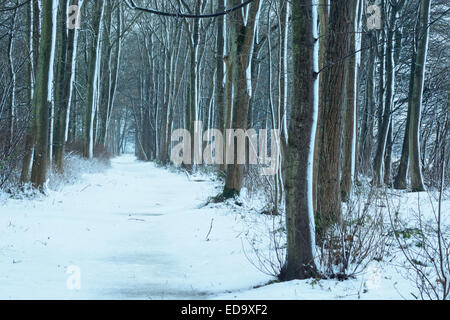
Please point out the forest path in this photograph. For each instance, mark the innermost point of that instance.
(133, 232)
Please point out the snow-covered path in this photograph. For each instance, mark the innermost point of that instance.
(135, 232)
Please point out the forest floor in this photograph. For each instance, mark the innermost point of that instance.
(137, 231)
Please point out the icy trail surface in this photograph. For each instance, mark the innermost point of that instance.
(133, 232)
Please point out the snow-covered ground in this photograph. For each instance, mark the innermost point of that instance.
(137, 231)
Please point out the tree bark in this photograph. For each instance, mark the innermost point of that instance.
(366, 137)
(400, 179)
(300, 150)
(324, 21)
(415, 170)
(40, 100)
(30, 136)
(220, 73)
(332, 99)
(242, 38)
(349, 146)
(63, 87)
(91, 85)
(105, 75)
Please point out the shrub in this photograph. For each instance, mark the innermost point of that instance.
(348, 247)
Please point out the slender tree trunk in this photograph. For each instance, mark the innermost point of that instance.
(228, 100)
(64, 86)
(105, 74)
(389, 96)
(114, 74)
(220, 73)
(349, 138)
(242, 35)
(323, 18)
(366, 138)
(34, 46)
(12, 92)
(415, 170)
(400, 178)
(388, 158)
(383, 114)
(40, 100)
(88, 130)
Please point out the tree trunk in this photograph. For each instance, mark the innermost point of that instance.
(12, 87)
(332, 99)
(384, 147)
(400, 178)
(300, 149)
(92, 83)
(415, 170)
(323, 18)
(388, 158)
(114, 69)
(366, 137)
(383, 114)
(242, 39)
(40, 100)
(64, 86)
(105, 75)
(349, 146)
(34, 46)
(220, 73)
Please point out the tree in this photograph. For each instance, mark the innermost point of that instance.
(105, 74)
(350, 106)
(66, 60)
(41, 98)
(366, 135)
(34, 25)
(88, 129)
(332, 93)
(242, 39)
(386, 91)
(300, 149)
(220, 72)
(415, 170)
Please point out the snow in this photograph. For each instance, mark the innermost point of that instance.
(135, 232)
(138, 231)
(312, 143)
